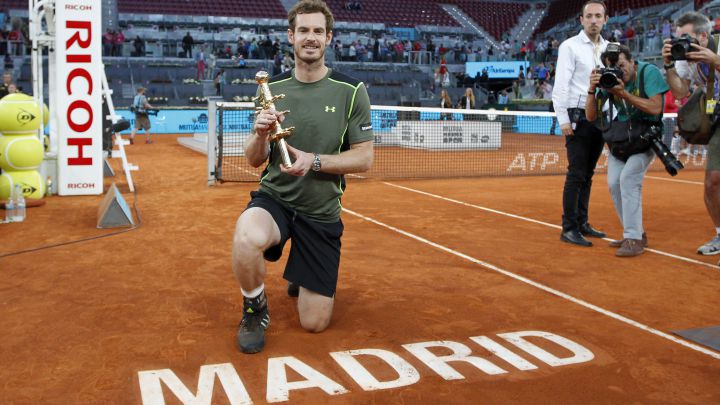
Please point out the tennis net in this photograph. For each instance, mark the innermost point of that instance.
(413, 142)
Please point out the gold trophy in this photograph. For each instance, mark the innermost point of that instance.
(267, 101)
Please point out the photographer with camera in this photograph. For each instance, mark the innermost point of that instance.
(577, 57)
(636, 92)
(692, 58)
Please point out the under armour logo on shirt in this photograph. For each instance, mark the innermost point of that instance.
(329, 109)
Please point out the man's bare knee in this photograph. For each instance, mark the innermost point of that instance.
(315, 323)
(246, 241)
(315, 310)
(255, 231)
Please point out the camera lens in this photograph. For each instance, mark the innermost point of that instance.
(678, 50)
(608, 80)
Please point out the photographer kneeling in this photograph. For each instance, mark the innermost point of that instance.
(635, 91)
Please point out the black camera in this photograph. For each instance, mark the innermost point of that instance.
(610, 77)
(679, 47)
(671, 163)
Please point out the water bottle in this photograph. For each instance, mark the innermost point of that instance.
(10, 207)
(19, 213)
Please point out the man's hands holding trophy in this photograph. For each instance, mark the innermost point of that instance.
(268, 127)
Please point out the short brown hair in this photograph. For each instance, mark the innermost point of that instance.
(600, 2)
(309, 7)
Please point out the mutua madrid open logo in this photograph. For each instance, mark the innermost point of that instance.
(25, 117)
(202, 118)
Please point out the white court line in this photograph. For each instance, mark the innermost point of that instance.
(543, 287)
(675, 180)
(659, 252)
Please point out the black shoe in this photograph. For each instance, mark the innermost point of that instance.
(574, 237)
(256, 318)
(293, 289)
(587, 230)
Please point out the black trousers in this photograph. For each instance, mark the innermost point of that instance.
(583, 151)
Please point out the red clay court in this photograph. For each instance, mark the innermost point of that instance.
(451, 291)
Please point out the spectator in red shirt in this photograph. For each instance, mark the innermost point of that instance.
(119, 40)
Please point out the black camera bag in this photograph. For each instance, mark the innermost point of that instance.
(694, 124)
(626, 138)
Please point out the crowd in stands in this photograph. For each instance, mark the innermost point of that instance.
(14, 37)
(540, 51)
(112, 42)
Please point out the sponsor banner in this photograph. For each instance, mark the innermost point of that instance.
(78, 68)
(193, 121)
(190, 121)
(383, 120)
(497, 70)
(438, 135)
(527, 124)
(404, 34)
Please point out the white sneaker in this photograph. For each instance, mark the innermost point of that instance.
(710, 248)
(685, 151)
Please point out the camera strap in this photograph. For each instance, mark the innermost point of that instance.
(710, 85)
(710, 78)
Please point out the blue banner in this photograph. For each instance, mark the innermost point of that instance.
(497, 70)
(383, 120)
(189, 121)
(196, 121)
(404, 33)
(528, 124)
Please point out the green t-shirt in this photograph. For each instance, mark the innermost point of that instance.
(328, 115)
(653, 83)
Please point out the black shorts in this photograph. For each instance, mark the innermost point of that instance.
(315, 250)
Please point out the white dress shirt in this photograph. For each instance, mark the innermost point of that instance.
(577, 57)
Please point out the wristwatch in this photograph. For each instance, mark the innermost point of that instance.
(669, 66)
(316, 164)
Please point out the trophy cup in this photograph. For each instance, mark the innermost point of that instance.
(267, 101)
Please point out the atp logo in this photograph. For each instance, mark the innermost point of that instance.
(25, 117)
(329, 109)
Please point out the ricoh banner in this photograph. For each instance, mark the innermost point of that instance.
(78, 103)
(439, 135)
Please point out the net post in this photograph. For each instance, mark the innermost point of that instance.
(211, 142)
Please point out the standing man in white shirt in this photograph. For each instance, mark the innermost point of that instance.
(577, 58)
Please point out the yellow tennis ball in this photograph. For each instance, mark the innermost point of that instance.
(20, 152)
(19, 113)
(46, 115)
(30, 182)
